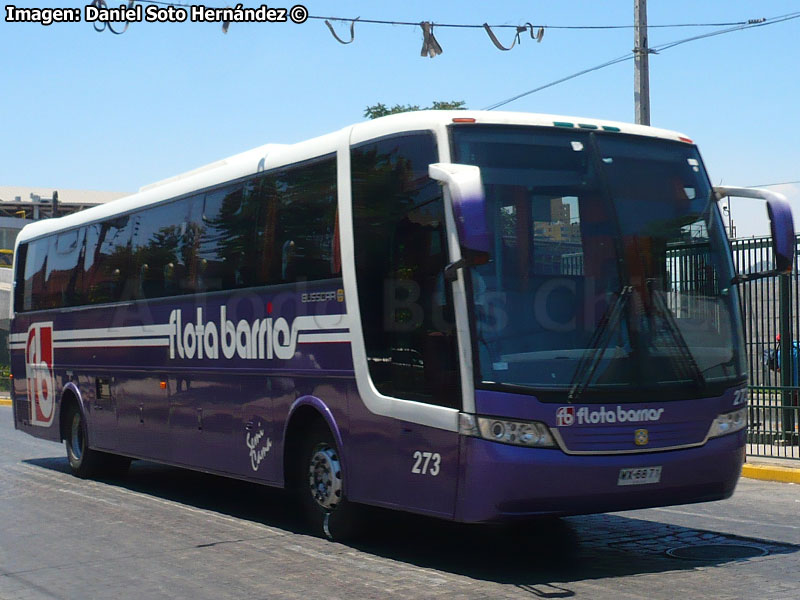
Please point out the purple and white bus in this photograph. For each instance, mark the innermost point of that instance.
(480, 316)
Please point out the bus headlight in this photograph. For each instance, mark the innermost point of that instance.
(728, 423)
(519, 433)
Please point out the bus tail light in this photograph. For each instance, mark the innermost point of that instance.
(728, 423)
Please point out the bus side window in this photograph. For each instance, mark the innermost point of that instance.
(64, 255)
(19, 278)
(400, 255)
(223, 239)
(252, 215)
(108, 261)
(307, 221)
(159, 249)
(191, 245)
(34, 286)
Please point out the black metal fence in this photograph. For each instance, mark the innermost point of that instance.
(771, 316)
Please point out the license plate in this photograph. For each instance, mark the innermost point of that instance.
(640, 476)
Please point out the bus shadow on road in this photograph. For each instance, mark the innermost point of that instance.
(540, 557)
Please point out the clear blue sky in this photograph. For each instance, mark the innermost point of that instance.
(91, 110)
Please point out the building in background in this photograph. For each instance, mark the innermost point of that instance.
(20, 206)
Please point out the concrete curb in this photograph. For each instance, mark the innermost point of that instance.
(772, 473)
(5, 401)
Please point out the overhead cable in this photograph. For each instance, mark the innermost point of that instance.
(655, 49)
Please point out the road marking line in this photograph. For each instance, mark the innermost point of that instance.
(88, 497)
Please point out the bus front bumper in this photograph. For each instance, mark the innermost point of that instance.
(500, 482)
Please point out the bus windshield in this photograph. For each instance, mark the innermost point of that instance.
(609, 274)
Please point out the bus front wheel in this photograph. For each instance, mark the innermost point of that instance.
(321, 487)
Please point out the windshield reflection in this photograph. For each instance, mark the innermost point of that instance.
(609, 268)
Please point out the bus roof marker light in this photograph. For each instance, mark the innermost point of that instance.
(587, 126)
(564, 124)
(611, 128)
(463, 120)
(685, 139)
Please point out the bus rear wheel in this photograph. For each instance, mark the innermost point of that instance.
(83, 461)
(320, 485)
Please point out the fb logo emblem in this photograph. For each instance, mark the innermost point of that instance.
(39, 372)
(565, 416)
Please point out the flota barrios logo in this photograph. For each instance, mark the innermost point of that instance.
(257, 339)
(569, 415)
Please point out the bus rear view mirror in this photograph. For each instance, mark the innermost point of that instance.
(469, 207)
(781, 227)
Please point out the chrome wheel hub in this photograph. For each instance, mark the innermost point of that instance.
(325, 477)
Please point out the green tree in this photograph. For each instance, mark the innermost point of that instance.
(381, 110)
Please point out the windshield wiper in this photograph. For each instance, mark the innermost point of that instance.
(587, 366)
(685, 364)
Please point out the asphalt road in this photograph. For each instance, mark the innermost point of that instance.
(167, 533)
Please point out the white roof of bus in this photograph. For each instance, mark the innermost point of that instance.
(271, 156)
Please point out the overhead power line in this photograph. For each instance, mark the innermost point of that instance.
(653, 50)
(483, 25)
(507, 26)
(562, 80)
(761, 185)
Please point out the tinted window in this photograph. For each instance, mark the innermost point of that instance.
(223, 240)
(164, 247)
(277, 228)
(108, 268)
(273, 228)
(306, 232)
(19, 278)
(64, 255)
(34, 286)
(400, 254)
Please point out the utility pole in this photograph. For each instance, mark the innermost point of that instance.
(641, 63)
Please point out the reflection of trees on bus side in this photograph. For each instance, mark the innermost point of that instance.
(278, 228)
(110, 273)
(231, 234)
(160, 269)
(231, 237)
